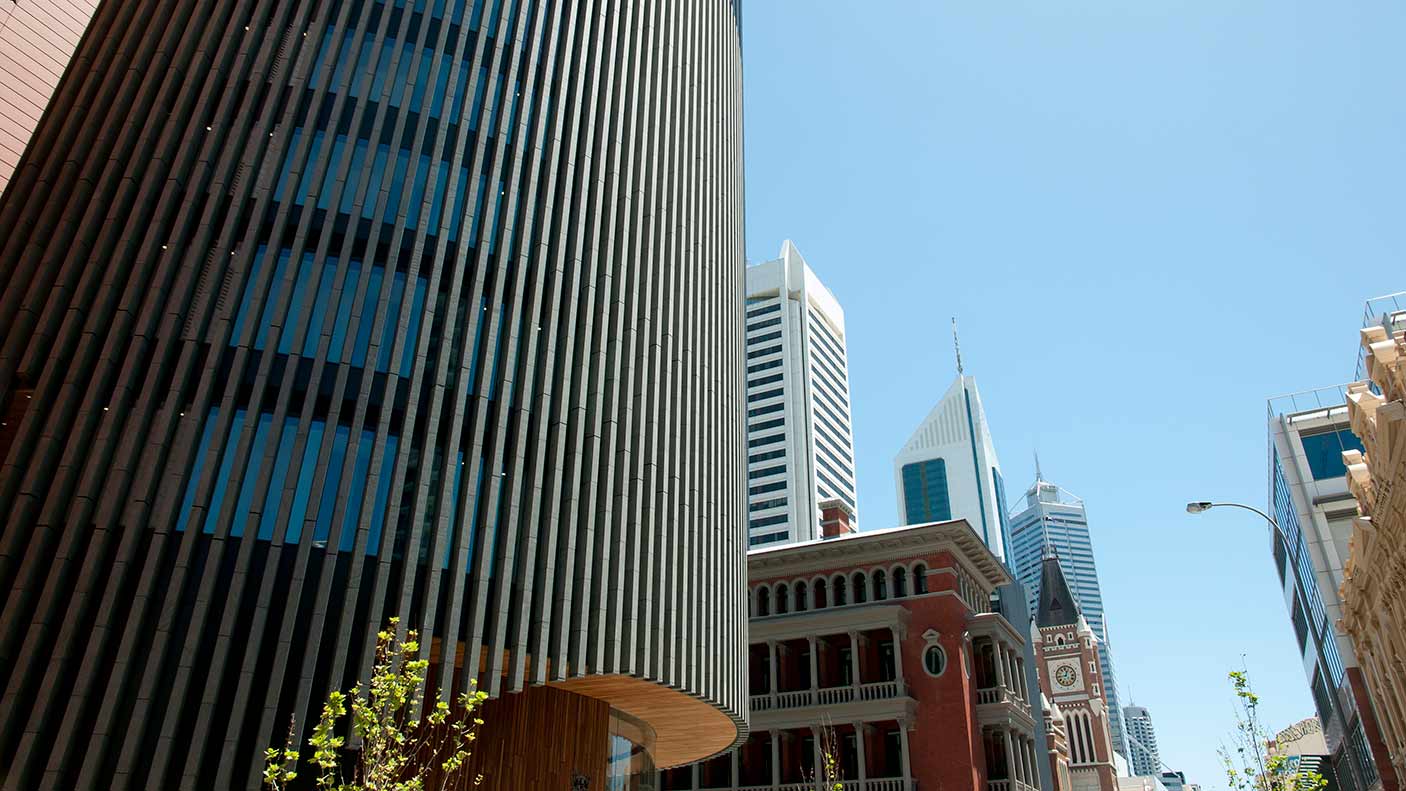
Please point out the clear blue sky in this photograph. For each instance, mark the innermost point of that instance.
(1147, 217)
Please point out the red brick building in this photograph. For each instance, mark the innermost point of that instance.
(888, 638)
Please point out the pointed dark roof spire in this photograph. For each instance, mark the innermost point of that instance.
(1057, 604)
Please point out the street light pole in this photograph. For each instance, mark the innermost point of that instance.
(1200, 507)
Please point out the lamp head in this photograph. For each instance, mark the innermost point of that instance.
(1196, 508)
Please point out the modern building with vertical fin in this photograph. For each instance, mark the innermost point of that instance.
(1052, 518)
(800, 446)
(1143, 757)
(37, 38)
(948, 468)
(315, 314)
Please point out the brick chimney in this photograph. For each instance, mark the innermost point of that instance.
(836, 519)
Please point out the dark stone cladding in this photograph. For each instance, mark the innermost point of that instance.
(552, 406)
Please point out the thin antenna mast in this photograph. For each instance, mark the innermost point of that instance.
(957, 345)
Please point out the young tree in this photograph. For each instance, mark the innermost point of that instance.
(1248, 764)
(404, 747)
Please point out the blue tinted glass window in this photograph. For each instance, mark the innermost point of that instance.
(497, 103)
(1325, 452)
(358, 167)
(344, 308)
(274, 497)
(478, 210)
(402, 74)
(495, 220)
(417, 312)
(295, 305)
(305, 179)
(441, 87)
(383, 362)
(417, 195)
(344, 59)
(383, 68)
(383, 490)
(422, 80)
(925, 496)
(322, 53)
(319, 307)
(287, 168)
(251, 476)
(402, 163)
(357, 491)
(368, 317)
(479, 88)
(303, 492)
(368, 48)
(333, 480)
(271, 304)
(476, 18)
(435, 222)
(217, 497)
(378, 174)
(329, 176)
(188, 502)
(250, 283)
(456, 219)
(456, 106)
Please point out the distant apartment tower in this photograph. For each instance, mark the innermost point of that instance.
(1142, 743)
(800, 450)
(1055, 518)
(948, 468)
(1314, 510)
(37, 37)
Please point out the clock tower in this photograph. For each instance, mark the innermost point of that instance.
(1071, 677)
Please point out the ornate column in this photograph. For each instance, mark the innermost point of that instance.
(775, 758)
(1000, 663)
(818, 761)
(1010, 755)
(898, 659)
(771, 648)
(859, 751)
(854, 649)
(814, 665)
(903, 750)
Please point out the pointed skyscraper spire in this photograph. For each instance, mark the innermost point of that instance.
(1038, 476)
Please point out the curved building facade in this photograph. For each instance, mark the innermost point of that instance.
(318, 313)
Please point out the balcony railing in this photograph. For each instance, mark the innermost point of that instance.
(877, 784)
(827, 696)
(988, 696)
(1008, 785)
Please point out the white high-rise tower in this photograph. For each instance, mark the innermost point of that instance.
(800, 450)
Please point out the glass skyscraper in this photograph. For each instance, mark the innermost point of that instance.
(1054, 518)
(314, 314)
(800, 449)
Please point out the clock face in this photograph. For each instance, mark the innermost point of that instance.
(1066, 677)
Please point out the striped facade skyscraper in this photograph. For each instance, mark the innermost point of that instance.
(314, 314)
(800, 447)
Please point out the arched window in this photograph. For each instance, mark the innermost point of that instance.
(783, 598)
(821, 591)
(861, 587)
(920, 578)
(840, 599)
(881, 585)
(763, 601)
(802, 602)
(900, 582)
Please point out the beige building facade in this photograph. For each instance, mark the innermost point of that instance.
(1374, 587)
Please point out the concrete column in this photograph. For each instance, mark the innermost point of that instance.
(736, 781)
(776, 758)
(814, 664)
(903, 749)
(898, 659)
(859, 751)
(771, 647)
(1024, 680)
(1010, 755)
(817, 761)
(854, 649)
(693, 783)
(1000, 664)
